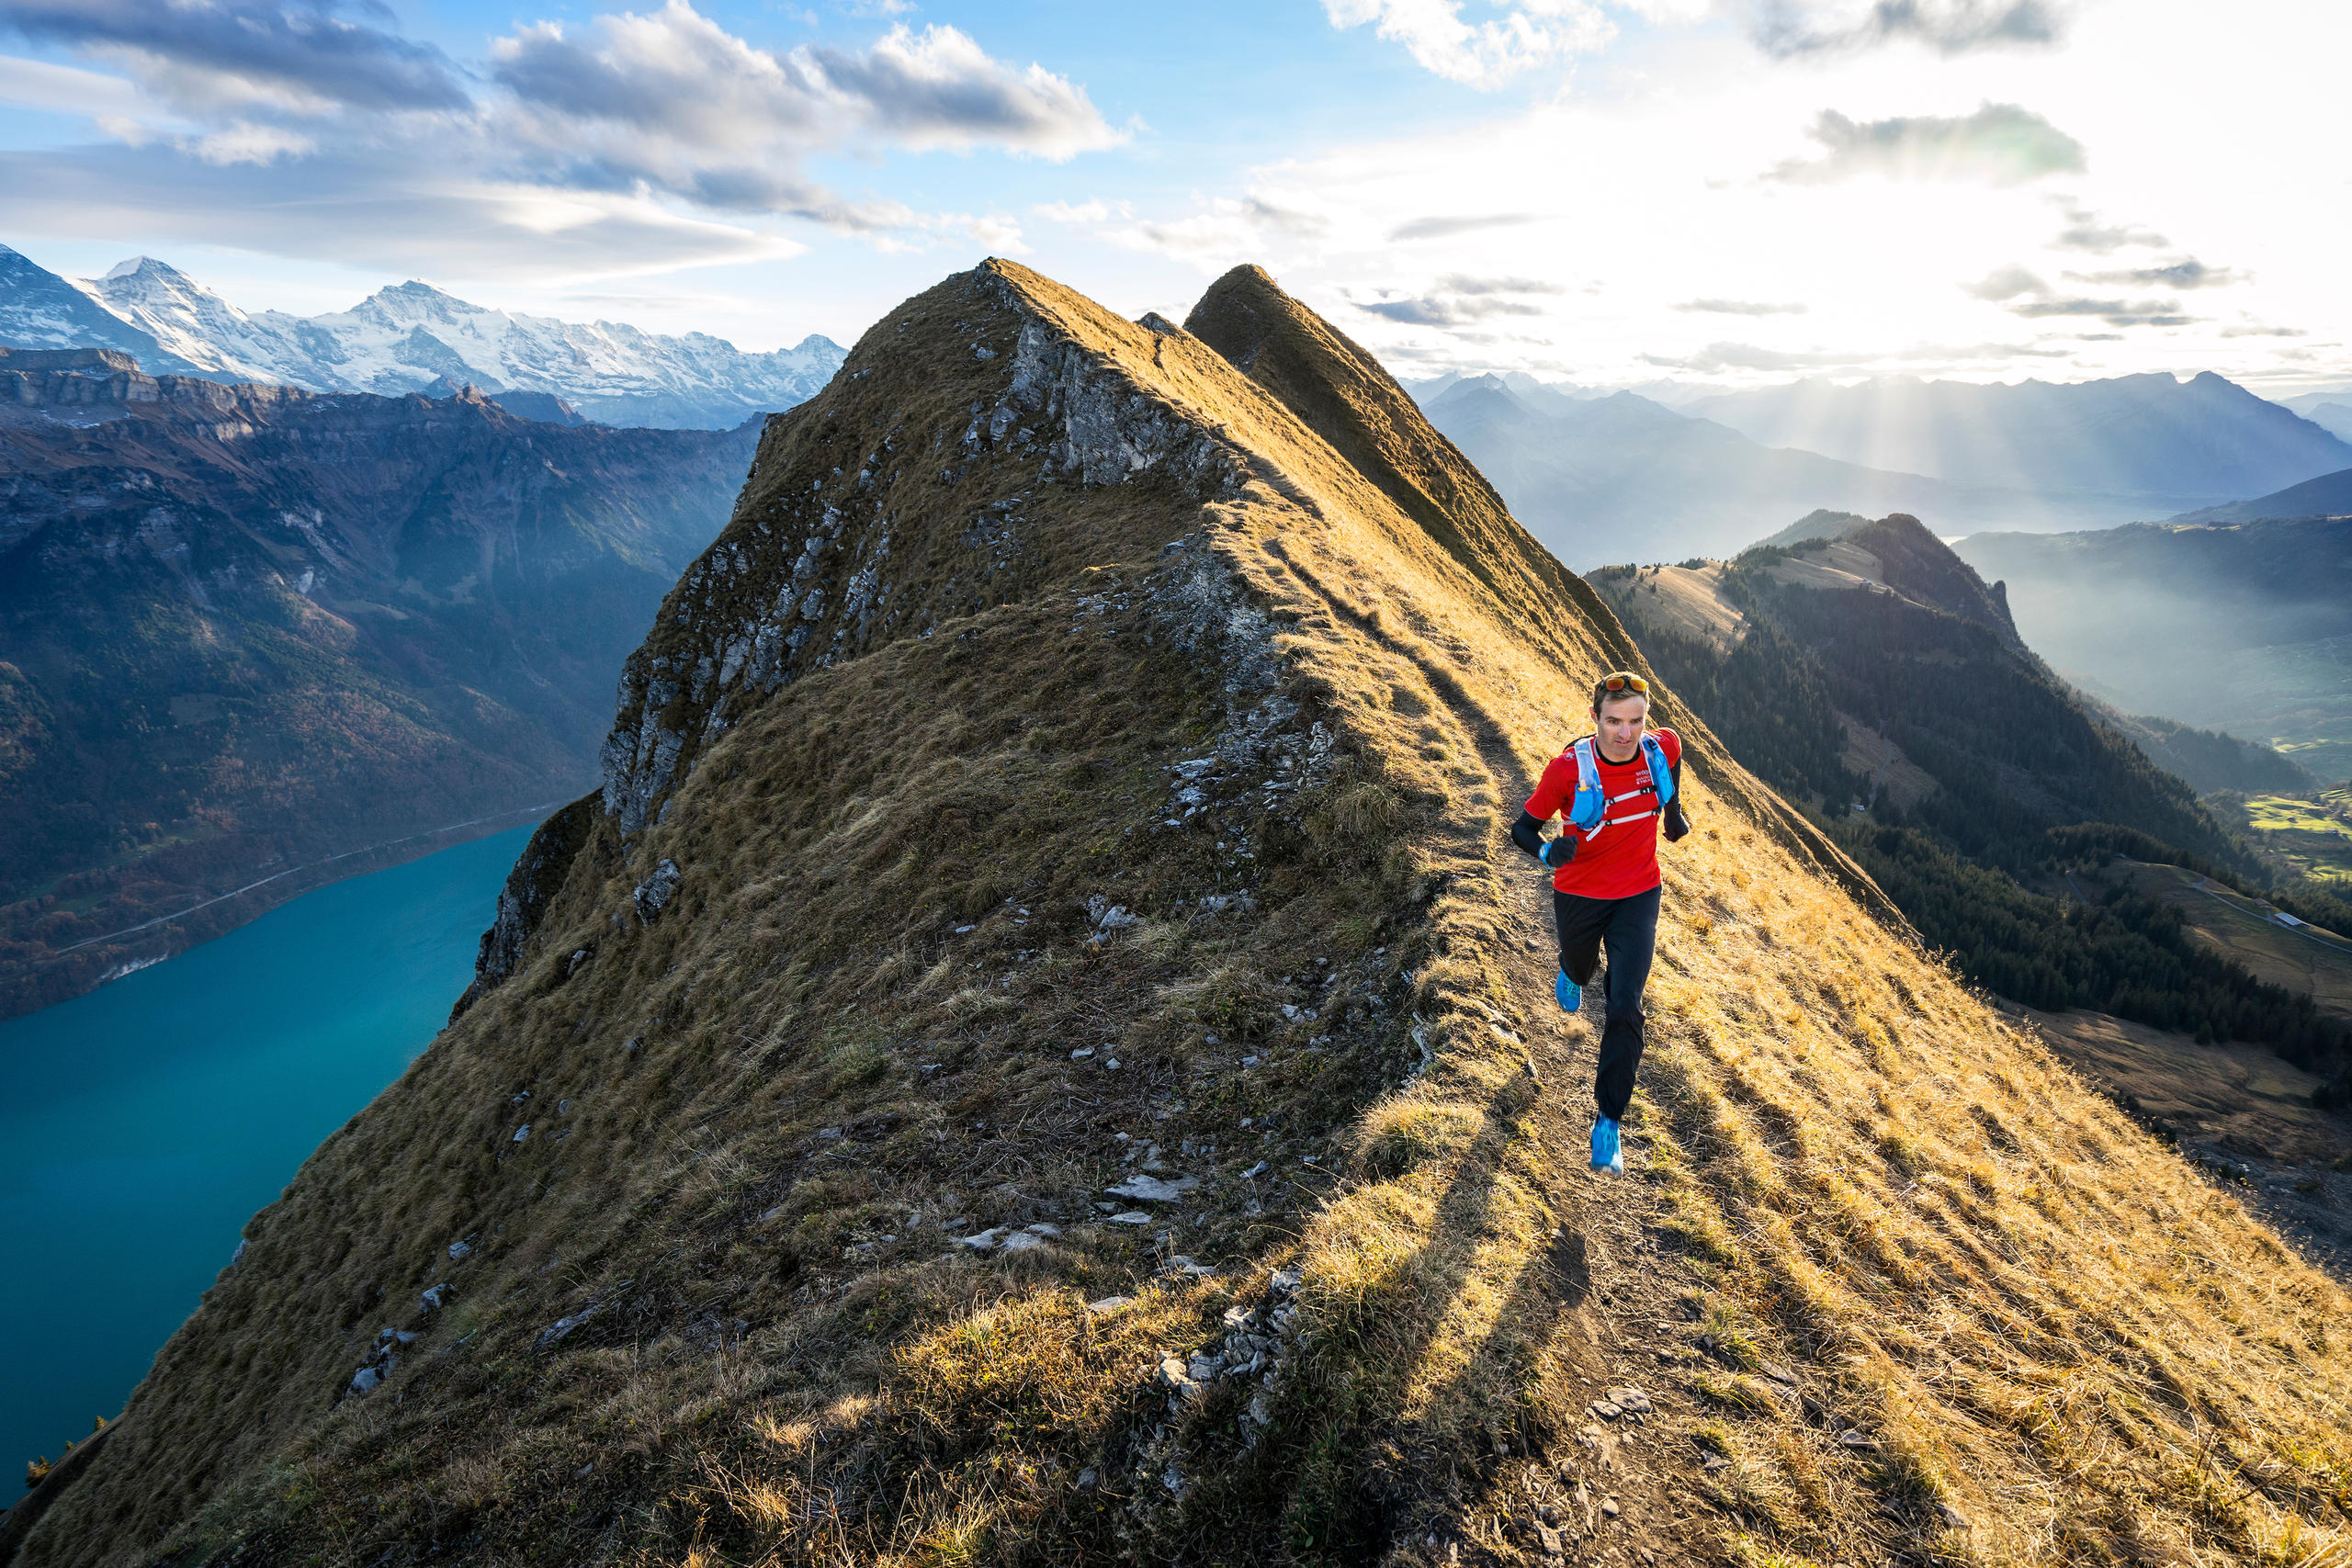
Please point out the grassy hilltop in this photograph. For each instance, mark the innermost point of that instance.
(1040, 1051)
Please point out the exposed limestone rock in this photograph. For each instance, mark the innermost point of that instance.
(654, 895)
(736, 628)
(537, 875)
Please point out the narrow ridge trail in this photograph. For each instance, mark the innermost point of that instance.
(1600, 1267)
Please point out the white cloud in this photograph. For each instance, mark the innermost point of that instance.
(2114, 312)
(1740, 308)
(296, 55)
(2186, 272)
(1440, 228)
(1437, 309)
(1638, 195)
(673, 101)
(62, 89)
(383, 213)
(2000, 144)
(1001, 235)
(610, 127)
(1788, 27)
(2005, 283)
(1229, 228)
(251, 144)
(2086, 231)
(1485, 53)
(1718, 358)
(2024, 295)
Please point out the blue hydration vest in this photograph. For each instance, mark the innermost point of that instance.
(1589, 812)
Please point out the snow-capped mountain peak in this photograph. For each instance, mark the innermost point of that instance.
(407, 337)
(40, 309)
(194, 325)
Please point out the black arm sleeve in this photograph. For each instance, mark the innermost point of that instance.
(1528, 834)
(1677, 824)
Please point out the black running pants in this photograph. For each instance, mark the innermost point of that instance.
(1627, 927)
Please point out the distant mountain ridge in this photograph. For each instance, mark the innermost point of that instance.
(405, 338)
(245, 628)
(2244, 627)
(2330, 409)
(2169, 444)
(2330, 495)
(40, 309)
(1621, 478)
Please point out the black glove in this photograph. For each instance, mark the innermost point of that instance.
(1560, 852)
(1678, 826)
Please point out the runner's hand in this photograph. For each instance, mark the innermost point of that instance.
(1678, 826)
(1560, 852)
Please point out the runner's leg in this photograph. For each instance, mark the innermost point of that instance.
(1631, 934)
(1579, 922)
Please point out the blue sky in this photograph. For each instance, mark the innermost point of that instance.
(1615, 192)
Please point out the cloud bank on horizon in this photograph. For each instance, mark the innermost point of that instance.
(1607, 191)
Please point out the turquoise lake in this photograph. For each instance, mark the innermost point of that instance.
(141, 1125)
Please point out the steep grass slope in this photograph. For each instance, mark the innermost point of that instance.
(1038, 1054)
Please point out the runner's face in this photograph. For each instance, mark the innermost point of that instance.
(1620, 725)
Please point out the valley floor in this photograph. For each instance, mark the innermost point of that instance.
(2317, 963)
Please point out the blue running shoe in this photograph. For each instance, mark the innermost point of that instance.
(1606, 1156)
(1569, 995)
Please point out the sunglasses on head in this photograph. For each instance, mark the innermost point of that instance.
(1624, 683)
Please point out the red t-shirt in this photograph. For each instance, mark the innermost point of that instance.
(1621, 859)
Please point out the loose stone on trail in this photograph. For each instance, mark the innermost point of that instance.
(1153, 1189)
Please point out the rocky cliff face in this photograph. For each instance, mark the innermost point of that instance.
(1035, 1054)
(244, 629)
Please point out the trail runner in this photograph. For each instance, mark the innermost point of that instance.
(1605, 881)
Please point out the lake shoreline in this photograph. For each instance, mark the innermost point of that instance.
(76, 970)
(143, 1123)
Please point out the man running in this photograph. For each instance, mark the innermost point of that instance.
(1615, 787)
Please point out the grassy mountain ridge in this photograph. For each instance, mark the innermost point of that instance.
(246, 629)
(1128, 838)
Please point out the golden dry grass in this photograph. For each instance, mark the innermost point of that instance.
(1914, 1291)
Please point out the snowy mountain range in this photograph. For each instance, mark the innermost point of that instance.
(408, 338)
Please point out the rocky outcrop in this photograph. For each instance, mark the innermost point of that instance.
(537, 873)
(76, 386)
(805, 576)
